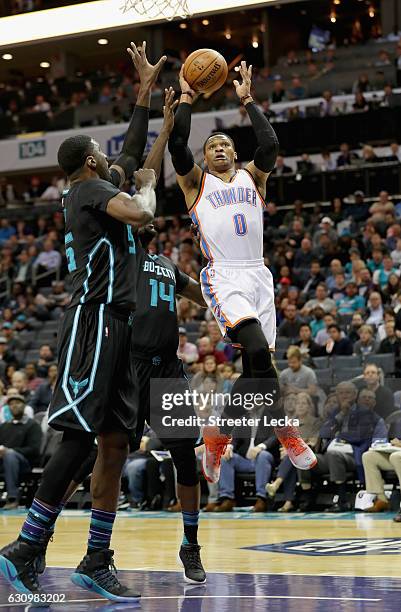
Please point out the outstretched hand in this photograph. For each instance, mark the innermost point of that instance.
(244, 89)
(147, 72)
(168, 109)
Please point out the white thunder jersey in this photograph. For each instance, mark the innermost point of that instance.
(235, 283)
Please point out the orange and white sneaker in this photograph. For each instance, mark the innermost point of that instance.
(215, 447)
(299, 453)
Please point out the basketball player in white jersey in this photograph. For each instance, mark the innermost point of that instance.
(227, 207)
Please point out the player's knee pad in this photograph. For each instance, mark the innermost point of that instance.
(185, 463)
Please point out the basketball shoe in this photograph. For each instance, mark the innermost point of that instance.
(189, 556)
(97, 573)
(20, 565)
(299, 453)
(215, 447)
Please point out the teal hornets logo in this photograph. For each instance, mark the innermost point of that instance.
(77, 385)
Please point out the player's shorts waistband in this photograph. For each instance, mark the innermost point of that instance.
(155, 359)
(122, 313)
(236, 263)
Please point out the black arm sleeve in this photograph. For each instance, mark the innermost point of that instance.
(267, 151)
(181, 279)
(135, 141)
(181, 155)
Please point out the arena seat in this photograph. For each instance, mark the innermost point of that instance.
(385, 361)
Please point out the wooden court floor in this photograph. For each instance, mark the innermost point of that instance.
(355, 549)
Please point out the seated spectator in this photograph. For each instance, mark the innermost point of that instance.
(336, 344)
(375, 462)
(327, 106)
(375, 309)
(369, 156)
(209, 378)
(19, 382)
(251, 451)
(217, 340)
(280, 167)
(278, 93)
(307, 346)
(289, 328)
(391, 344)
(338, 292)
(51, 192)
(360, 104)
(297, 214)
(33, 380)
(362, 84)
(297, 91)
(315, 277)
(41, 105)
(49, 258)
(321, 300)
(354, 327)
(23, 272)
(353, 428)
(335, 268)
(135, 469)
(396, 253)
(286, 478)
(327, 164)
(323, 334)
(351, 302)
(326, 227)
(187, 351)
(371, 381)
(297, 377)
(46, 357)
(20, 441)
(43, 394)
(380, 277)
(366, 345)
(346, 156)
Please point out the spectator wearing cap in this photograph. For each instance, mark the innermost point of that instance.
(366, 345)
(351, 302)
(13, 342)
(325, 228)
(187, 351)
(320, 300)
(43, 394)
(20, 441)
(338, 344)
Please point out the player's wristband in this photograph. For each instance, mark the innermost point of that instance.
(248, 97)
(187, 93)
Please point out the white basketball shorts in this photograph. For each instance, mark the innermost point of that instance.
(236, 290)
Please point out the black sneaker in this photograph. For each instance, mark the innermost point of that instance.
(97, 573)
(189, 556)
(19, 566)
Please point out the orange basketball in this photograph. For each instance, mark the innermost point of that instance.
(205, 70)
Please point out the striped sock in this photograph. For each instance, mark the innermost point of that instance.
(100, 529)
(190, 520)
(39, 521)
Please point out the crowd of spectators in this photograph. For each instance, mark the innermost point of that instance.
(338, 294)
(115, 89)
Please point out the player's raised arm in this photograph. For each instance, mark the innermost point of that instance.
(137, 133)
(267, 151)
(156, 153)
(139, 209)
(189, 174)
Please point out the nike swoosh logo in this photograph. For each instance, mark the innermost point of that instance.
(10, 575)
(88, 584)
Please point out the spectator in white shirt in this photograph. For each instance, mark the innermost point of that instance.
(41, 105)
(52, 192)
